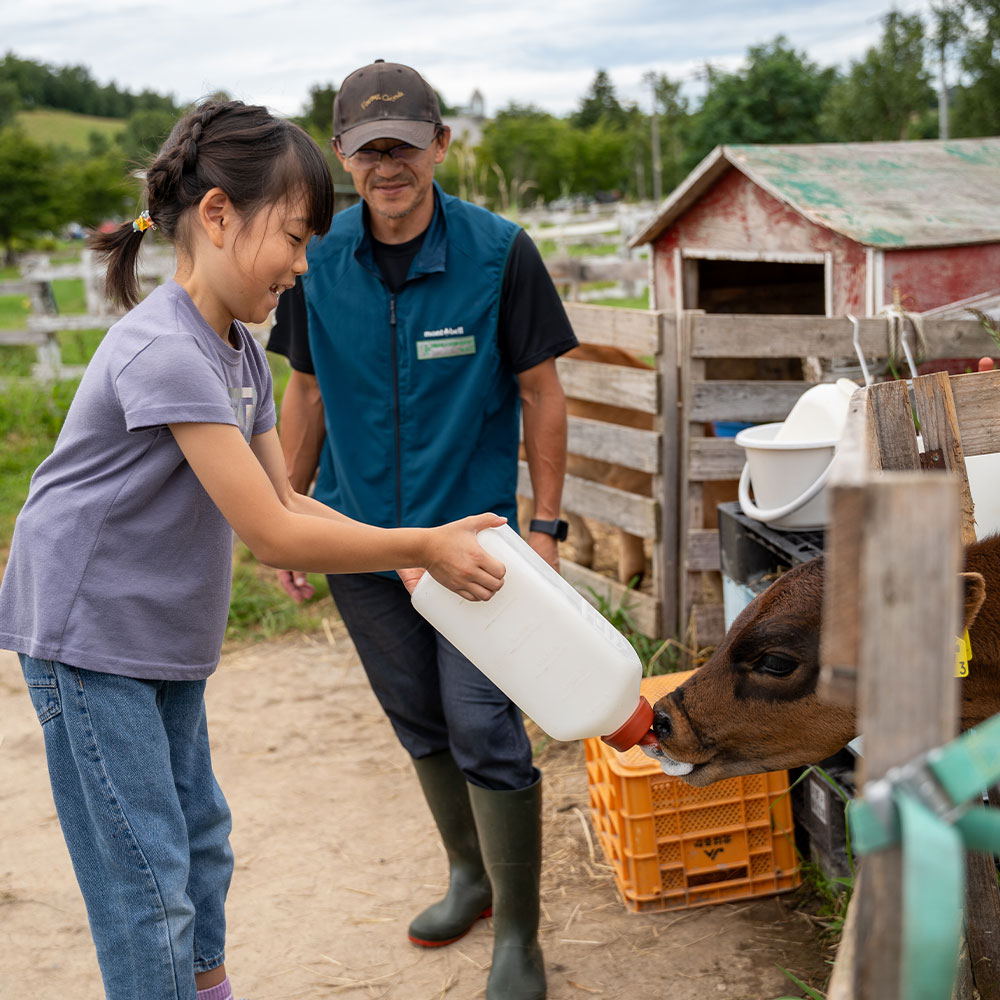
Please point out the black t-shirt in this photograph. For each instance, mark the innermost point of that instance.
(532, 322)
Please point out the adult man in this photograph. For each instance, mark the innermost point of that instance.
(431, 323)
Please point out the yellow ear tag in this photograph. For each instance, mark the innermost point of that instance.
(963, 653)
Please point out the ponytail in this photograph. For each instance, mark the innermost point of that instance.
(119, 250)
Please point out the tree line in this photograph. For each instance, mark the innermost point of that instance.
(779, 95)
(924, 77)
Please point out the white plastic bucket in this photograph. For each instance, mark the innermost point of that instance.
(788, 478)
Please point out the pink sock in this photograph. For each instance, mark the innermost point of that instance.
(221, 992)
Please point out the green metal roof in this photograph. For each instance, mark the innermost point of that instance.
(882, 194)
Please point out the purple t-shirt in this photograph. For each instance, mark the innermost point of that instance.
(120, 561)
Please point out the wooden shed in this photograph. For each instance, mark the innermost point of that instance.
(830, 229)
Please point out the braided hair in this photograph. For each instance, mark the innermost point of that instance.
(255, 157)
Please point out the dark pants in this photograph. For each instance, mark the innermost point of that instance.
(434, 697)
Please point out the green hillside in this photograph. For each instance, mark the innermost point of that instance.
(64, 128)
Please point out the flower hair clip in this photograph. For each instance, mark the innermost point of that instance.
(143, 222)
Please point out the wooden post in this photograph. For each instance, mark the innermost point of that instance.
(43, 303)
(671, 432)
(908, 559)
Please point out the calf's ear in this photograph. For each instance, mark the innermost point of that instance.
(973, 595)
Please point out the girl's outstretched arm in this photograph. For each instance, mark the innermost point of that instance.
(287, 530)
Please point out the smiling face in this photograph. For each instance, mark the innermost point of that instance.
(399, 194)
(268, 252)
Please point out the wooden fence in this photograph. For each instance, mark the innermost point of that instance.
(45, 322)
(626, 268)
(710, 466)
(653, 392)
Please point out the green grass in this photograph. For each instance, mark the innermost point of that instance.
(70, 300)
(30, 418)
(260, 609)
(76, 347)
(636, 302)
(69, 295)
(550, 248)
(14, 311)
(658, 656)
(64, 128)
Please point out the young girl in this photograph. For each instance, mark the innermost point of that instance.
(117, 588)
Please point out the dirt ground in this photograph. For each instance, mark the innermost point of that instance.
(335, 851)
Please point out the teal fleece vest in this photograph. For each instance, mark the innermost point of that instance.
(422, 412)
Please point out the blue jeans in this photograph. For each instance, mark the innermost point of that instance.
(145, 821)
(435, 698)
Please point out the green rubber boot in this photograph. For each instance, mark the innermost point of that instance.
(510, 835)
(469, 895)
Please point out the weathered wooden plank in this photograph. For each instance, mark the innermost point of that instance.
(634, 514)
(892, 436)
(53, 324)
(755, 401)
(703, 550)
(908, 702)
(28, 338)
(596, 268)
(636, 330)
(714, 459)
(941, 440)
(13, 288)
(691, 370)
(628, 446)
(840, 637)
(708, 625)
(666, 486)
(748, 336)
(634, 388)
(643, 609)
(976, 397)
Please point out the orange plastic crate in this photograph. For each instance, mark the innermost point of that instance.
(673, 845)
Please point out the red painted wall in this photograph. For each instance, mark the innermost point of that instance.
(934, 277)
(736, 215)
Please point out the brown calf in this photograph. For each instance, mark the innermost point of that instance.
(753, 706)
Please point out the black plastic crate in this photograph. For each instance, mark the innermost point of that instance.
(818, 805)
(754, 555)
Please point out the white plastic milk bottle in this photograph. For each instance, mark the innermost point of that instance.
(556, 657)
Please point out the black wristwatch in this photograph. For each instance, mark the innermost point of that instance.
(557, 529)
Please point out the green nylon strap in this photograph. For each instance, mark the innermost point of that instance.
(923, 806)
(933, 891)
(970, 763)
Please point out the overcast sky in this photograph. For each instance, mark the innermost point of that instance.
(540, 52)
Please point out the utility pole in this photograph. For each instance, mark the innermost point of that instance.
(654, 139)
(949, 30)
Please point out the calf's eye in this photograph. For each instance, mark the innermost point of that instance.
(775, 665)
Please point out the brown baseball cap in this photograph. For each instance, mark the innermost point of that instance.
(385, 101)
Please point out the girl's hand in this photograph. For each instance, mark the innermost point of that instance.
(456, 560)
